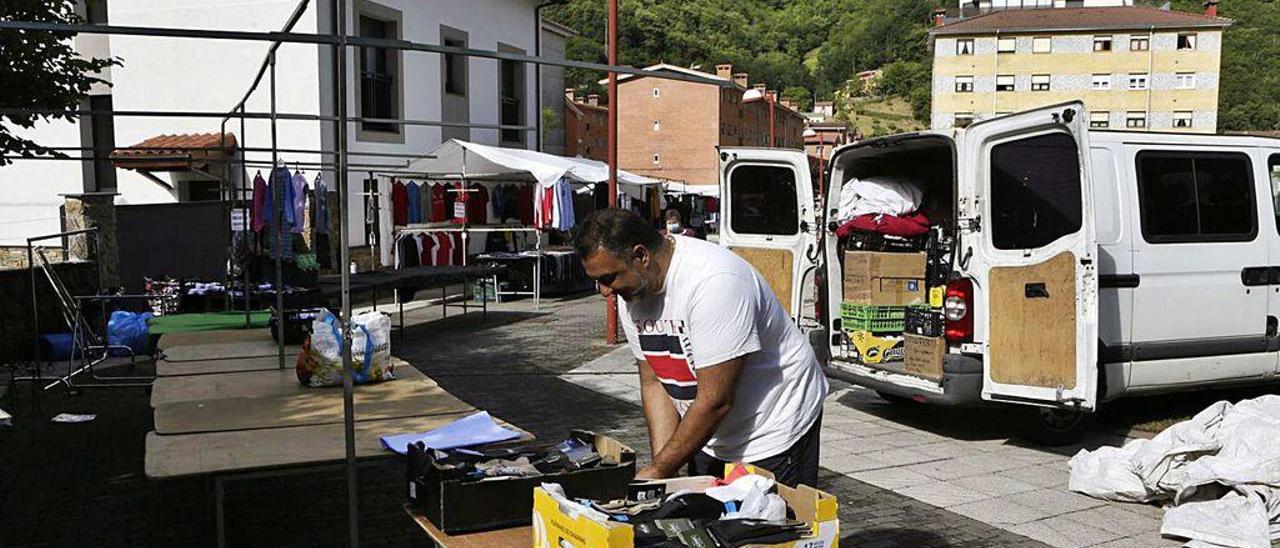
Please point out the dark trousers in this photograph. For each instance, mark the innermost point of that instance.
(798, 464)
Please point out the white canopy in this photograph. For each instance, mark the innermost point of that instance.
(463, 159)
(676, 187)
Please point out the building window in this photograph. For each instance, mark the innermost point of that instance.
(1100, 120)
(1005, 82)
(1041, 44)
(964, 46)
(1135, 119)
(1101, 43)
(963, 119)
(1138, 81)
(1006, 45)
(1101, 82)
(455, 69)
(657, 92)
(1040, 82)
(379, 88)
(964, 84)
(1184, 80)
(1196, 197)
(1182, 119)
(511, 94)
(655, 158)
(657, 126)
(1187, 40)
(1139, 43)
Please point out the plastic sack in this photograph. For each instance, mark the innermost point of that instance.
(129, 329)
(320, 361)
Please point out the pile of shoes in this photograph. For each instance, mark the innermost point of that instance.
(520, 460)
(742, 510)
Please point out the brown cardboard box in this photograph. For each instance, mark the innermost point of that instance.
(884, 279)
(924, 356)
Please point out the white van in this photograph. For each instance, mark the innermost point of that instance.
(1084, 265)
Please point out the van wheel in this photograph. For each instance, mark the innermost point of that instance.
(1056, 426)
(895, 399)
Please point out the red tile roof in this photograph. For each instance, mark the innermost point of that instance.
(1085, 19)
(175, 152)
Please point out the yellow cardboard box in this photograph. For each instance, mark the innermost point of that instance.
(557, 527)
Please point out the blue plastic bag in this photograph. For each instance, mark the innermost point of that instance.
(129, 329)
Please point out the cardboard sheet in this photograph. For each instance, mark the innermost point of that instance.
(195, 338)
(413, 397)
(251, 384)
(224, 351)
(191, 454)
(166, 368)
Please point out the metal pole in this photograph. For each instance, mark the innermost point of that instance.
(611, 303)
(348, 402)
(277, 195)
(248, 321)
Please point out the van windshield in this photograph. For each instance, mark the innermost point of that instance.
(1035, 191)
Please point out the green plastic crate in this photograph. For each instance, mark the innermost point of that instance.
(876, 319)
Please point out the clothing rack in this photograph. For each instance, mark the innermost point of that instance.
(465, 229)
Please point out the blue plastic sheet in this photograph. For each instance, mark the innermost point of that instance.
(476, 429)
(129, 329)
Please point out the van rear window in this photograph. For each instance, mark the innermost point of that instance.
(763, 200)
(1196, 197)
(1035, 191)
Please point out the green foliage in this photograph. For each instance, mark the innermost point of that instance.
(800, 95)
(901, 77)
(40, 70)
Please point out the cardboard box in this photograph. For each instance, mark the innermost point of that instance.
(884, 279)
(458, 505)
(924, 356)
(557, 527)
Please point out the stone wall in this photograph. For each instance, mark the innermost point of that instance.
(82, 211)
(17, 339)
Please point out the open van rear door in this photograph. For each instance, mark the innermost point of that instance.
(1029, 227)
(768, 217)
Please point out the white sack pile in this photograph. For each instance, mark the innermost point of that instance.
(1219, 472)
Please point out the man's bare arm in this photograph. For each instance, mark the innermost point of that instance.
(659, 412)
(716, 386)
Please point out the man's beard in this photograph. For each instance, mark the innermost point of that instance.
(642, 291)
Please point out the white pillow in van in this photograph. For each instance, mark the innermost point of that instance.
(878, 196)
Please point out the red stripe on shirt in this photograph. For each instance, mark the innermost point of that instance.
(670, 368)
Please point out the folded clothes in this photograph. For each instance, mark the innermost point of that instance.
(914, 224)
(732, 533)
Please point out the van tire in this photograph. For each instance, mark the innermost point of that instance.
(895, 399)
(1055, 427)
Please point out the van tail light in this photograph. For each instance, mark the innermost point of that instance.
(957, 309)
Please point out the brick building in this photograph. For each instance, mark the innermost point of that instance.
(670, 129)
(586, 127)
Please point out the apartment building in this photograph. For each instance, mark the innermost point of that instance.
(669, 129)
(1135, 68)
(586, 126)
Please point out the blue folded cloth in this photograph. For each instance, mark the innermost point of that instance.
(476, 429)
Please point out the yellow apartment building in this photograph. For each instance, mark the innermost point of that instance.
(1136, 68)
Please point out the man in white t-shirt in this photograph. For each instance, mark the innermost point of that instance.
(725, 374)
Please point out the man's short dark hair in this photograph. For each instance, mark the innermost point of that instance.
(617, 231)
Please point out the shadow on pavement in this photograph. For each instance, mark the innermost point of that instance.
(895, 536)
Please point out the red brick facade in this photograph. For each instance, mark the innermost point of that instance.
(586, 127)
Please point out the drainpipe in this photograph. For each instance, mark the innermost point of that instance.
(537, 70)
(995, 93)
(1151, 76)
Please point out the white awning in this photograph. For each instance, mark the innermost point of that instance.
(676, 187)
(463, 159)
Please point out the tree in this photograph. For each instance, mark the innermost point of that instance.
(41, 70)
(801, 96)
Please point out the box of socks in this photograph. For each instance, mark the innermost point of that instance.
(698, 511)
(489, 487)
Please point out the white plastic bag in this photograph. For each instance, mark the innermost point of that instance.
(320, 363)
(878, 196)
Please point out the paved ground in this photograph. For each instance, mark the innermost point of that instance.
(82, 484)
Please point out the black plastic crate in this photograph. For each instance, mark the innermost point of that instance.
(924, 321)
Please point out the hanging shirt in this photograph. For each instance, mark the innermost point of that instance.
(322, 205)
(438, 212)
(428, 249)
(282, 178)
(450, 196)
(459, 250)
(478, 205)
(299, 202)
(399, 204)
(424, 203)
(460, 196)
(497, 203)
(564, 205)
(260, 210)
(526, 203)
(414, 197)
(444, 249)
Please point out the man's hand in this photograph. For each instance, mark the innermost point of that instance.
(651, 473)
